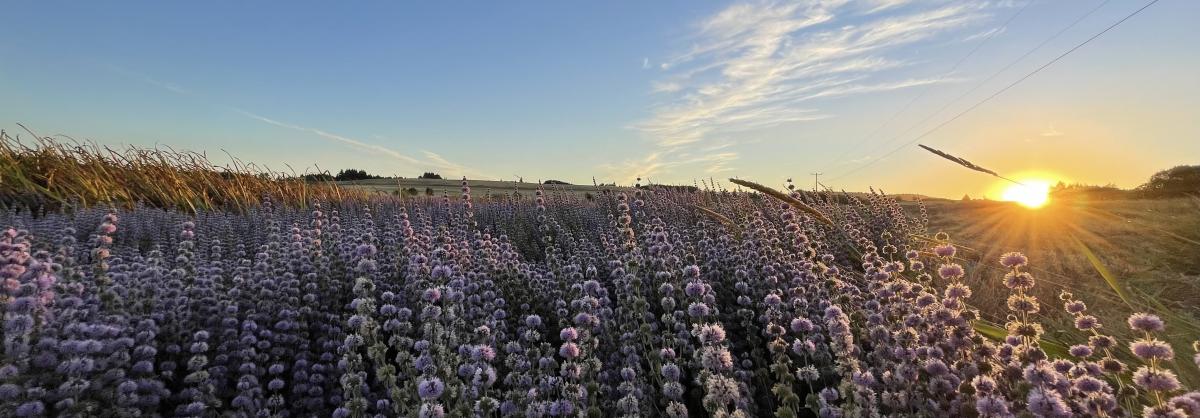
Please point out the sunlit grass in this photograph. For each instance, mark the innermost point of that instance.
(1140, 255)
(43, 171)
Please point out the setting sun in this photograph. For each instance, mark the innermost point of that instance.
(1032, 193)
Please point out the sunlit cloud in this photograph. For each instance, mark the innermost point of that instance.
(875, 6)
(759, 65)
(1052, 132)
(441, 162)
(662, 162)
(984, 34)
(665, 87)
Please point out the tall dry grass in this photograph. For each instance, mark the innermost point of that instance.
(52, 172)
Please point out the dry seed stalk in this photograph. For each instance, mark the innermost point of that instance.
(787, 199)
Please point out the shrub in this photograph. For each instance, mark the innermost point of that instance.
(1175, 181)
(351, 174)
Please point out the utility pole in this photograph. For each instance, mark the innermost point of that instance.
(816, 180)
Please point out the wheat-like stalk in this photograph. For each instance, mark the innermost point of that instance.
(966, 163)
(787, 199)
(729, 224)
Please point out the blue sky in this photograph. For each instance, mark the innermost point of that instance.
(673, 91)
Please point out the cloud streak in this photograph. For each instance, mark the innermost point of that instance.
(171, 87)
(1052, 132)
(764, 64)
(431, 160)
(985, 34)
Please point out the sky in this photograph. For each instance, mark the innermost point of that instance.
(669, 91)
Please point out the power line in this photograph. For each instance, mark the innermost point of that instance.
(929, 87)
(989, 78)
(998, 92)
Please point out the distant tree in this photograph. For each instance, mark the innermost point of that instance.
(1079, 191)
(430, 175)
(412, 191)
(966, 198)
(317, 177)
(666, 187)
(1174, 181)
(556, 182)
(350, 174)
(429, 191)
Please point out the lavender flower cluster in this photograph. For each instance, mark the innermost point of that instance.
(629, 305)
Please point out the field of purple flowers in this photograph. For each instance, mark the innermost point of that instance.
(655, 303)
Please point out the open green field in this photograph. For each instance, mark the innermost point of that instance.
(438, 187)
(1147, 248)
(1150, 246)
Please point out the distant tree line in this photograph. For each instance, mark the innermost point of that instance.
(351, 174)
(317, 177)
(1176, 181)
(343, 175)
(688, 189)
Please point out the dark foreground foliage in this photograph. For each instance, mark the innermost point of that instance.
(660, 303)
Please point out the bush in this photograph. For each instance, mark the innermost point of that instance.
(316, 178)
(1173, 182)
(351, 174)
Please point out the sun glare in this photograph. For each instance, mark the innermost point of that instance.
(1032, 193)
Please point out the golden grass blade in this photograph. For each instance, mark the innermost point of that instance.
(785, 198)
(1108, 276)
(729, 224)
(997, 333)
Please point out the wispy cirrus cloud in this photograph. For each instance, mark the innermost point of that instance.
(984, 34)
(665, 160)
(172, 87)
(431, 160)
(875, 6)
(763, 64)
(1052, 132)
